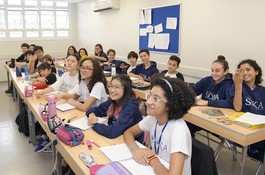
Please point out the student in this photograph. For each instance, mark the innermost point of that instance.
(71, 50)
(48, 59)
(38, 55)
(46, 75)
(145, 70)
(249, 96)
(172, 67)
(169, 100)
(68, 80)
(83, 53)
(92, 86)
(122, 108)
(20, 61)
(99, 53)
(31, 47)
(132, 57)
(221, 57)
(215, 89)
(119, 65)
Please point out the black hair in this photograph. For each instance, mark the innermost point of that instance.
(99, 45)
(111, 50)
(98, 74)
(126, 82)
(83, 50)
(75, 51)
(221, 59)
(180, 97)
(29, 52)
(36, 48)
(256, 67)
(144, 50)
(44, 66)
(132, 54)
(175, 58)
(25, 45)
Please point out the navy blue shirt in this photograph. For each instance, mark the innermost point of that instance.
(217, 95)
(107, 67)
(252, 100)
(145, 73)
(129, 116)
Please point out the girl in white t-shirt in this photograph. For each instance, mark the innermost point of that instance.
(167, 103)
(68, 80)
(92, 86)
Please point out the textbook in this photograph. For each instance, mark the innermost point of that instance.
(248, 120)
(82, 123)
(211, 112)
(122, 154)
(64, 107)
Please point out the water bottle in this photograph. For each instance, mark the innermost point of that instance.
(28, 90)
(26, 71)
(113, 70)
(51, 106)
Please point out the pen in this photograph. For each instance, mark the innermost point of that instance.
(88, 142)
(69, 120)
(94, 142)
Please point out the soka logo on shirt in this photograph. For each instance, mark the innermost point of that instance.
(257, 105)
(211, 96)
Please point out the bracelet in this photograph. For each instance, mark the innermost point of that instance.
(156, 165)
(132, 148)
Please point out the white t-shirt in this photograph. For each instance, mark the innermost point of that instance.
(98, 92)
(171, 75)
(65, 83)
(175, 138)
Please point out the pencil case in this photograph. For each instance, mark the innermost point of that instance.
(70, 135)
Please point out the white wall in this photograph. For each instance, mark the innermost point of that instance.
(234, 29)
(54, 47)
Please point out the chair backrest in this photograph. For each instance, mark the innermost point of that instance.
(202, 159)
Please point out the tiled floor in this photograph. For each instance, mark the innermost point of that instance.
(17, 156)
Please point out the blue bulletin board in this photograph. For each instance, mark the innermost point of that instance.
(166, 40)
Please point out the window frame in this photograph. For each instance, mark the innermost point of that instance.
(23, 8)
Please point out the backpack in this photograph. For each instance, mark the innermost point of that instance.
(22, 121)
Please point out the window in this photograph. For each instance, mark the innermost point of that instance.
(34, 19)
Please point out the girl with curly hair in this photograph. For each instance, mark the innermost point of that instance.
(92, 86)
(167, 103)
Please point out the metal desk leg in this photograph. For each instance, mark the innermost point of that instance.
(32, 132)
(8, 79)
(58, 163)
(243, 158)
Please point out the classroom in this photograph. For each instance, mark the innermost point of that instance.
(207, 28)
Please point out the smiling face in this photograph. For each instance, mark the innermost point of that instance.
(97, 50)
(116, 90)
(71, 63)
(71, 50)
(145, 58)
(111, 56)
(218, 72)
(156, 103)
(86, 70)
(249, 73)
(82, 52)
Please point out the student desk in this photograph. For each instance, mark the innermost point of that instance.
(242, 136)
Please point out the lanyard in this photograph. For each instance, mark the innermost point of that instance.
(159, 140)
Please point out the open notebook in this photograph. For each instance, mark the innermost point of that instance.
(122, 154)
(82, 122)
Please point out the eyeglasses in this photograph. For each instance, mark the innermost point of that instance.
(224, 120)
(115, 87)
(155, 99)
(86, 69)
